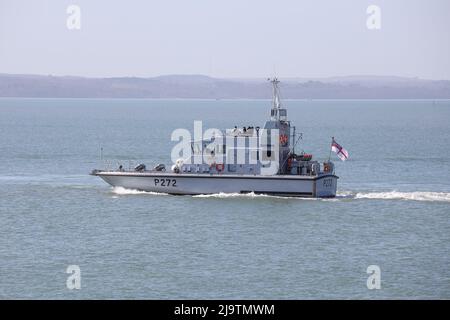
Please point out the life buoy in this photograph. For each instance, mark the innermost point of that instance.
(289, 163)
(219, 166)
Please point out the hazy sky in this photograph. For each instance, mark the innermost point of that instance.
(226, 38)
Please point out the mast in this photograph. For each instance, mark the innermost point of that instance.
(276, 93)
(278, 121)
(276, 104)
(277, 113)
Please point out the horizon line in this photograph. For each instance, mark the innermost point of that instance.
(288, 78)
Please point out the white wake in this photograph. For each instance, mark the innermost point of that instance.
(398, 195)
(248, 195)
(344, 195)
(386, 195)
(123, 191)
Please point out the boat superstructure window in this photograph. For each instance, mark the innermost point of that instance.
(267, 155)
(197, 148)
(283, 114)
(220, 148)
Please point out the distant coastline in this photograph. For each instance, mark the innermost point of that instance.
(209, 88)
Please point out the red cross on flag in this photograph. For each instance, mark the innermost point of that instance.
(340, 151)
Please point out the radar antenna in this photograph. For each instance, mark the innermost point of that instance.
(276, 102)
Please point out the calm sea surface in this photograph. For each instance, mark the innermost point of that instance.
(392, 209)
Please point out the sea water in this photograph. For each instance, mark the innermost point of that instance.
(392, 208)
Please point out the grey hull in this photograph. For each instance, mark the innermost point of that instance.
(192, 184)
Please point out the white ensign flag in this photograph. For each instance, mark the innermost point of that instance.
(340, 151)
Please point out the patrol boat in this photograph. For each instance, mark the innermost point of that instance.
(248, 160)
